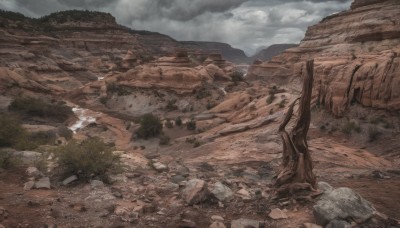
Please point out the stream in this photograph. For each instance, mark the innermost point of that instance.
(85, 117)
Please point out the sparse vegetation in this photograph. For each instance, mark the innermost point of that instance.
(351, 126)
(65, 132)
(193, 141)
(103, 100)
(171, 105)
(210, 105)
(150, 126)
(114, 88)
(271, 97)
(88, 159)
(11, 131)
(35, 107)
(178, 121)
(169, 124)
(164, 140)
(373, 133)
(202, 93)
(282, 103)
(237, 76)
(7, 161)
(191, 125)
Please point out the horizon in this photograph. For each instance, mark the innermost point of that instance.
(261, 24)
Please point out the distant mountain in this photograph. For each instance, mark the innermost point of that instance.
(271, 51)
(227, 51)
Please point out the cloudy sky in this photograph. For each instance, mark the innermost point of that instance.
(245, 24)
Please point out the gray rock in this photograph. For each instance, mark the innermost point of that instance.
(28, 157)
(245, 223)
(43, 183)
(342, 203)
(222, 192)
(177, 179)
(195, 191)
(217, 224)
(96, 184)
(338, 224)
(160, 167)
(70, 180)
(29, 185)
(33, 172)
(277, 214)
(324, 187)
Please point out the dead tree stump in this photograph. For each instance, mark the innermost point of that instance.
(297, 174)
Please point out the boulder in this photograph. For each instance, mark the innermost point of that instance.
(29, 185)
(245, 223)
(70, 180)
(33, 172)
(217, 224)
(277, 214)
(324, 187)
(341, 204)
(221, 192)
(43, 183)
(160, 167)
(96, 184)
(195, 191)
(338, 224)
(311, 225)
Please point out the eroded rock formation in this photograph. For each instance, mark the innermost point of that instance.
(356, 56)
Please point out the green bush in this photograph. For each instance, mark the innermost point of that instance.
(191, 125)
(36, 107)
(103, 100)
(271, 98)
(202, 93)
(7, 161)
(150, 126)
(91, 158)
(10, 131)
(282, 103)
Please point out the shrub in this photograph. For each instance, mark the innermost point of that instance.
(202, 93)
(90, 158)
(191, 125)
(350, 126)
(373, 134)
(169, 124)
(36, 107)
(150, 126)
(194, 141)
(282, 103)
(10, 131)
(65, 132)
(113, 87)
(164, 140)
(7, 161)
(178, 121)
(271, 98)
(196, 144)
(237, 76)
(210, 105)
(103, 100)
(171, 105)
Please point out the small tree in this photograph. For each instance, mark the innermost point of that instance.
(178, 121)
(191, 125)
(150, 126)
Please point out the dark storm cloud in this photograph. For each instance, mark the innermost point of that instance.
(246, 24)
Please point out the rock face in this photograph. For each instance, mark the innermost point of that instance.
(354, 62)
(229, 53)
(342, 204)
(271, 51)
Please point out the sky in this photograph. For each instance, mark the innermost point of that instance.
(245, 24)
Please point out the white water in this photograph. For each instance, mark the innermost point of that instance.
(85, 117)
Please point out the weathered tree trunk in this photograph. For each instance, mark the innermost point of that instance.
(297, 168)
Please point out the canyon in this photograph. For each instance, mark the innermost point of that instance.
(215, 162)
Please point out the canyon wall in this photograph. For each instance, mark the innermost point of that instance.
(357, 58)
